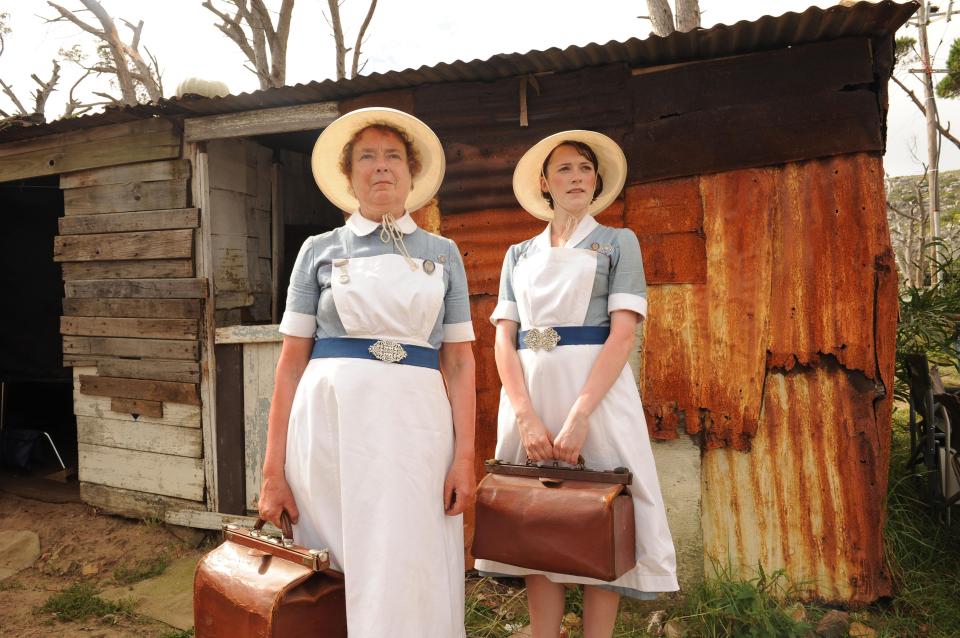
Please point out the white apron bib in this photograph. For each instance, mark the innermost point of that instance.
(368, 448)
(552, 289)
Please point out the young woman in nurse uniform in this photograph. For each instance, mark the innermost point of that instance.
(569, 304)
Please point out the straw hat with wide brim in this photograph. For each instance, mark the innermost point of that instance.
(612, 168)
(325, 161)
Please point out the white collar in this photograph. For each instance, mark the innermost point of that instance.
(584, 228)
(361, 226)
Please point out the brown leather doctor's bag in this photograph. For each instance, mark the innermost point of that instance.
(256, 586)
(556, 519)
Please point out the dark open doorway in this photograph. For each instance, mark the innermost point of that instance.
(39, 430)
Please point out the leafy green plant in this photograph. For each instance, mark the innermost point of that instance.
(176, 633)
(923, 554)
(81, 601)
(724, 606)
(929, 315)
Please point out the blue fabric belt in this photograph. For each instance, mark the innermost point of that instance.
(568, 336)
(376, 350)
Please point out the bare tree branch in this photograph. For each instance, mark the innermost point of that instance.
(111, 100)
(661, 17)
(251, 29)
(916, 100)
(67, 16)
(46, 88)
(8, 89)
(156, 68)
(146, 74)
(688, 15)
(74, 106)
(363, 28)
(121, 53)
(338, 38)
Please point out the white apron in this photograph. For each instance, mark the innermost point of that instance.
(368, 448)
(552, 289)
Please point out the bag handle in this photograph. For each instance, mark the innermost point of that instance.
(620, 475)
(581, 464)
(286, 527)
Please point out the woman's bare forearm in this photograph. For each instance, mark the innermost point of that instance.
(294, 357)
(609, 363)
(459, 371)
(510, 369)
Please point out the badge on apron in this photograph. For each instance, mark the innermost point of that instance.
(429, 266)
(342, 265)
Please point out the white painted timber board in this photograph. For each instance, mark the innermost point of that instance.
(249, 334)
(163, 474)
(259, 367)
(143, 436)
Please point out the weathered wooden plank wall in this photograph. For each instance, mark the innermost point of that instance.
(130, 320)
(113, 145)
(759, 205)
(240, 204)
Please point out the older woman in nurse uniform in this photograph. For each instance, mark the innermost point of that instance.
(370, 441)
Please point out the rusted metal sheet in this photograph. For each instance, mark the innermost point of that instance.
(670, 382)
(480, 126)
(738, 210)
(483, 238)
(668, 218)
(798, 267)
(762, 133)
(704, 347)
(828, 236)
(488, 381)
(885, 321)
(675, 258)
(808, 497)
(727, 82)
(660, 208)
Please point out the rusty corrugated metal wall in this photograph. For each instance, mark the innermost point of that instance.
(760, 212)
(772, 297)
(776, 349)
(781, 360)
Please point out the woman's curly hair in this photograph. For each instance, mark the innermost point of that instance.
(413, 157)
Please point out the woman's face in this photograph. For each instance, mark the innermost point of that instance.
(380, 175)
(571, 180)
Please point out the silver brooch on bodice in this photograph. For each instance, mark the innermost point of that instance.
(429, 266)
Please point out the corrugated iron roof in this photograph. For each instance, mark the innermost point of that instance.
(769, 32)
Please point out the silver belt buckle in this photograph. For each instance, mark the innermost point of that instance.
(535, 339)
(388, 351)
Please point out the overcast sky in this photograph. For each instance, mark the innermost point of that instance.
(408, 34)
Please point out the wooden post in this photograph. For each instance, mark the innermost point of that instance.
(231, 465)
(208, 364)
(933, 136)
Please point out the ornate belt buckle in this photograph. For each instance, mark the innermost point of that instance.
(548, 338)
(389, 351)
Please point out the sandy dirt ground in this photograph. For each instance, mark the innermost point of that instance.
(78, 544)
